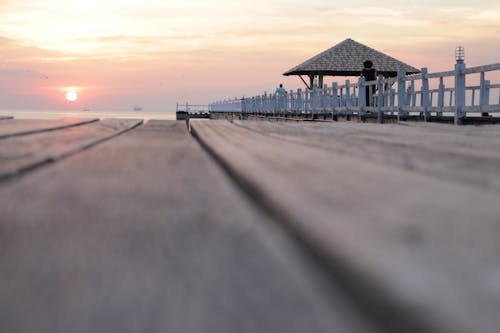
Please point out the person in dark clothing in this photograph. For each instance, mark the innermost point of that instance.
(370, 74)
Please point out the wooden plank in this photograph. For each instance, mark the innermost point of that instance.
(30, 126)
(469, 155)
(144, 233)
(20, 154)
(412, 249)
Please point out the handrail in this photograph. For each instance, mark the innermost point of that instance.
(384, 95)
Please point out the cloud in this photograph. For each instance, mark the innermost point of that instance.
(22, 73)
(14, 51)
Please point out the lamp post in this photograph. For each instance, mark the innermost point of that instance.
(460, 85)
(460, 54)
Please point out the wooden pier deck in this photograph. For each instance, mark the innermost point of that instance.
(248, 226)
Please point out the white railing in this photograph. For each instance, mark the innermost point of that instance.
(402, 96)
(193, 108)
(228, 105)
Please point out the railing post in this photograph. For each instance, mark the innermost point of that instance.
(380, 99)
(401, 95)
(425, 93)
(348, 98)
(300, 101)
(324, 99)
(408, 95)
(392, 99)
(314, 101)
(387, 94)
(335, 99)
(362, 99)
(413, 94)
(307, 104)
(274, 103)
(484, 94)
(441, 97)
(459, 92)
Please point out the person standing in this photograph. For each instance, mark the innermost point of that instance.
(281, 98)
(370, 74)
(280, 90)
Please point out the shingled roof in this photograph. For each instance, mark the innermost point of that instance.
(346, 59)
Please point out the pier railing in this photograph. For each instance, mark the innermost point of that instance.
(425, 94)
(227, 105)
(192, 108)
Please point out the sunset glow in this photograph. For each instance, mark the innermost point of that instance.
(157, 53)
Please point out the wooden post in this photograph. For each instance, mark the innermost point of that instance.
(413, 94)
(425, 93)
(401, 95)
(300, 101)
(387, 93)
(362, 99)
(348, 98)
(484, 94)
(324, 99)
(392, 99)
(342, 99)
(314, 101)
(335, 99)
(441, 97)
(459, 92)
(380, 99)
(307, 102)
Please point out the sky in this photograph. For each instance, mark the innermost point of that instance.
(120, 53)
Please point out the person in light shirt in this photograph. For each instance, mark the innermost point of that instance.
(280, 90)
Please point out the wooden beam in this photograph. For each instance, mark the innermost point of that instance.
(396, 234)
(146, 234)
(19, 127)
(21, 154)
(307, 86)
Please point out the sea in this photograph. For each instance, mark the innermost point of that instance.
(100, 114)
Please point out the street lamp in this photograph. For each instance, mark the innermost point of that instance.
(460, 54)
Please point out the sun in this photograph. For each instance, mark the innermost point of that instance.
(71, 96)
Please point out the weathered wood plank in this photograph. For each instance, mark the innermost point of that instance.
(408, 247)
(19, 127)
(20, 154)
(470, 155)
(144, 233)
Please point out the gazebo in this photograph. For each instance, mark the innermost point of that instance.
(346, 59)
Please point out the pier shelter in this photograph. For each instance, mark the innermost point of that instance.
(346, 59)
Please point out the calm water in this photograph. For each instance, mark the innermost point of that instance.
(52, 114)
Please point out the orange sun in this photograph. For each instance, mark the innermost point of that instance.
(71, 96)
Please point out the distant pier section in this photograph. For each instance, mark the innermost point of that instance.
(461, 95)
(186, 111)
